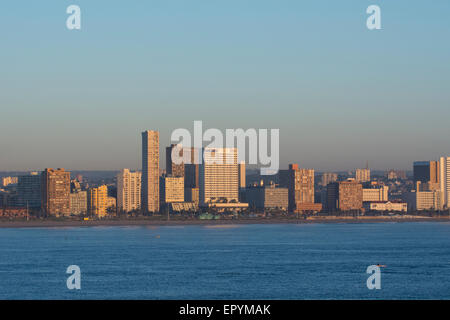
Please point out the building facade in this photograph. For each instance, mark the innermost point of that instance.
(129, 190)
(150, 171)
(29, 190)
(267, 197)
(98, 201)
(300, 186)
(344, 196)
(362, 175)
(171, 189)
(78, 202)
(376, 194)
(55, 190)
(219, 176)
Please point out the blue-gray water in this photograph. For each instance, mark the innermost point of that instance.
(314, 261)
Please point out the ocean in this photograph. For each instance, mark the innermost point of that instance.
(255, 261)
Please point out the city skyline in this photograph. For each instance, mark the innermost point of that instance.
(339, 93)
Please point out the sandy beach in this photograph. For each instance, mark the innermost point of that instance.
(224, 222)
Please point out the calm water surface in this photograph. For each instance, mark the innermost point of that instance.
(314, 261)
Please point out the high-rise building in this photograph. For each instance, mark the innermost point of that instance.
(344, 196)
(98, 201)
(421, 171)
(78, 202)
(174, 169)
(379, 194)
(129, 190)
(55, 188)
(301, 187)
(150, 171)
(362, 175)
(242, 174)
(29, 190)
(444, 180)
(219, 176)
(171, 189)
(328, 177)
(267, 197)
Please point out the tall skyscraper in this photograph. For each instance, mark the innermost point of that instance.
(150, 171)
(29, 190)
(219, 176)
(98, 201)
(421, 171)
(363, 175)
(55, 188)
(174, 169)
(242, 174)
(301, 186)
(444, 180)
(129, 190)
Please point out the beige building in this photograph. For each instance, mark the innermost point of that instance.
(78, 202)
(171, 189)
(387, 206)
(219, 176)
(444, 181)
(362, 175)
(55, 188)
(376, 194)
(98, 201)
(344, 196)
(150, 171)
(242, 174)
(129, 190)
(267, 197)
(300, 186)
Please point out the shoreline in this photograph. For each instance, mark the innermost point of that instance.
(162, 223)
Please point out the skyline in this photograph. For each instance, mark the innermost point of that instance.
(339, 93)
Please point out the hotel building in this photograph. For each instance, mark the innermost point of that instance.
(150, 171)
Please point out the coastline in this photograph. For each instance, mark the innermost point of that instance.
(157, 223)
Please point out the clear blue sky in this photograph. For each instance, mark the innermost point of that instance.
(339, 93)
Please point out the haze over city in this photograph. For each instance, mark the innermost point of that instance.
(340, 94)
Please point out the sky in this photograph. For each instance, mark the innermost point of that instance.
(340, 94)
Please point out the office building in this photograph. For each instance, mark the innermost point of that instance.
(241, 174)
(267, 197)
(171, 189)
(362, 175)
(344, 196)
(191, 195)
(98, 201)
(129, 190)
(376, 194)
(300, 186)
(55, 189)
(78, 202)
(444, 181)
(150, 171)
(29, 190)
(219, 176)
